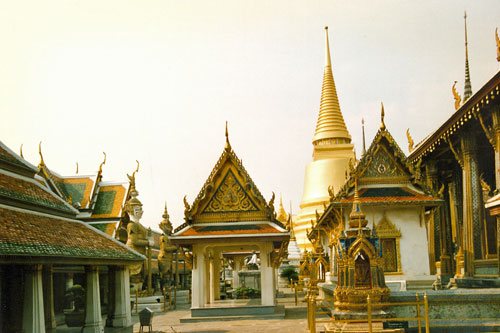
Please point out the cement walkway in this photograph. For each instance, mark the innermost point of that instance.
(295, 321)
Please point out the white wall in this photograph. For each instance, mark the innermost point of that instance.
(413, 241)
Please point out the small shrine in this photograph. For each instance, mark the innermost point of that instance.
(360, 268)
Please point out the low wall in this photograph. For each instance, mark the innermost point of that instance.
(443, 304)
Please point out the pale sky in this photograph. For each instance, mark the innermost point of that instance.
(155, 81)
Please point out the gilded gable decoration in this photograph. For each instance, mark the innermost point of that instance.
(228, 195)
(385, 228)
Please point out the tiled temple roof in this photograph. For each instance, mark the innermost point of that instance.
(389, 195)
(31, 192)
(25, 233)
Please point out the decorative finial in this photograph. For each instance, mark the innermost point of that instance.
(456, 96)
(410, 141)
(166, 225)
(498, 44)
(76, 167)
(103, 162)
(382, 115)
(132, 179)
(21, 151)
(328, 61)
(363, 130)
(228, 145)
(42, 163)
(468, 86)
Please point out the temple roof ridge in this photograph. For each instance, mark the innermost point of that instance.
(330, 120)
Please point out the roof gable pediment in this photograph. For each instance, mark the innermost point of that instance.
(229, 195)
(383, 163)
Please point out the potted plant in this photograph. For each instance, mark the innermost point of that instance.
(75, 300)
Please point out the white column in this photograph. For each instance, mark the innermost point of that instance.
(266, 275)
(216, 275)
(93, 319)
(211, 270)
(48, 290)
(33, 315)
(122, 316)
(236, 270)
(198, 278)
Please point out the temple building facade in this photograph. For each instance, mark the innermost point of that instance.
(460, 159)
(332, 150)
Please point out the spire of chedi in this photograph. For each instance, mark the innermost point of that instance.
(330, 126)
(331, 155)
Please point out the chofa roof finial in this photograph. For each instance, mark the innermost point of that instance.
(382, 115)
(228, 145)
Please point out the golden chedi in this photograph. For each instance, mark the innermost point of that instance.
(332, 151)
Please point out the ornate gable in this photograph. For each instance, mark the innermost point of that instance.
(384, 159)
(229, 195)
(384, 162)
(385, 229)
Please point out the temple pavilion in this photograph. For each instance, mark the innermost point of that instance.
(229, 217)
(45, 249)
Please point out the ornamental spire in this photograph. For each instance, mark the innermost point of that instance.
(228, 145)
(467, 87)
(357, 217)
(331, 123)
(363, 129)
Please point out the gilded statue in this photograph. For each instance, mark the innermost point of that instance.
(137, 235)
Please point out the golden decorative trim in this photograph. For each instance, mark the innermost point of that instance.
(457, 156)
(410, 141)
(456, 96)
(488, 132)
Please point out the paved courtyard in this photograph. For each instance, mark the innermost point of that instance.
(295, 321)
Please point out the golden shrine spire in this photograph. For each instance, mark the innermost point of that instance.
(331, 123)
(468, 86)
(357, 217)
(282, 216)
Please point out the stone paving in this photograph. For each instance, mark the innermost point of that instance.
(295, 321)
